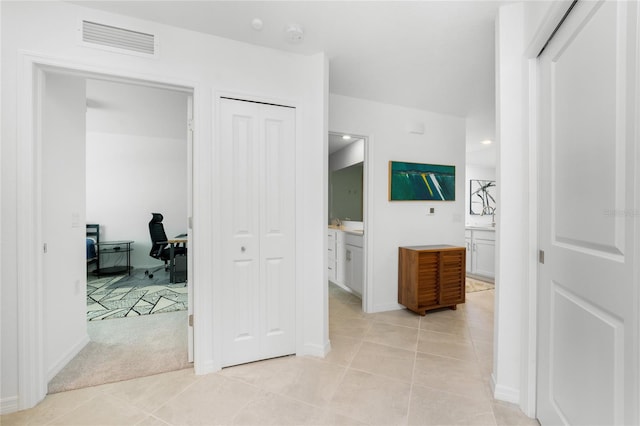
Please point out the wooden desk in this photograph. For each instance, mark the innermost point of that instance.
(172, 263)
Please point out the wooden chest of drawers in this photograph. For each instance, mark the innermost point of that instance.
(431, 277)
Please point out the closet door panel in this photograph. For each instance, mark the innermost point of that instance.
(277, 242)
(240, 201)
(257, 148)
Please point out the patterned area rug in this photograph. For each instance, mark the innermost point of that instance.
(133, 295)
(473, 285)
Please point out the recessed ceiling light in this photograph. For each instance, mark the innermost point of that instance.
(346, 137)
(486, 142)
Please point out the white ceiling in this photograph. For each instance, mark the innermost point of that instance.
(431, 55)
(132, 109)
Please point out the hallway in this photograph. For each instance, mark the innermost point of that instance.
(391, 368)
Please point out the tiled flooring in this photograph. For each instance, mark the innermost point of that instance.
(392, 368)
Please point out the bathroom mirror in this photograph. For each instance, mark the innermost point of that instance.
(345, 193)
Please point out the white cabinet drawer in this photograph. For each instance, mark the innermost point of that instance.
(484, 235)
(353, 240)
(331, 237)
(331, 251)
(331, 265)
(331, 271)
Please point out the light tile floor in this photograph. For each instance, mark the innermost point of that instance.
(391, 368)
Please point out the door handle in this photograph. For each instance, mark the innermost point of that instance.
(243, 249)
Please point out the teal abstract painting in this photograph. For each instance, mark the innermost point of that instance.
(415, 181)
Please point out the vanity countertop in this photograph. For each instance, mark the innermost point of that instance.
(347, 230)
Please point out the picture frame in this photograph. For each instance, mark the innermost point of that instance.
(421, 182)
(482, 197)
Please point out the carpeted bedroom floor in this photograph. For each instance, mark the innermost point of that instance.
(144, 331)
(125, 348)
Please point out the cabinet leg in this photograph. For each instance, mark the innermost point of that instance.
(454, 307)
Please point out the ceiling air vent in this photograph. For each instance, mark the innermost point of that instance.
(118, 38)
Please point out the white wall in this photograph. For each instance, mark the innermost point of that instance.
(136, 164)
(48, 31)
(484, 156)
(128, 178)
(476, 172)
(63, 187)
(519, 27)
(395, 224)
(477, 153)
(511, 232)
(347, 156)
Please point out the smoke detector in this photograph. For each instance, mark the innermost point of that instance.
(294, 33)
(257, 24)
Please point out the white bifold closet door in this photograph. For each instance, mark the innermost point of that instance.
(258, 230)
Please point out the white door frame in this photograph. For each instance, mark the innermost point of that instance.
(32, 378)
(529, 332)
(367, 218)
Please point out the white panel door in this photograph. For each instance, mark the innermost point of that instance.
(64, 273)
(587, 297)
(258, 189)
(189, 226)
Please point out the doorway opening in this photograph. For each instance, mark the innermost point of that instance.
(112, 152)
(347, 236)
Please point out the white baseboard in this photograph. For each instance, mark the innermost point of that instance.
(9, 405)
(385, 308)
(319, 351)
(205, 368)
(62, 362)
(342, 286)
(504, 393)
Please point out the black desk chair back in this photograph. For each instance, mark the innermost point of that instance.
(160, 244)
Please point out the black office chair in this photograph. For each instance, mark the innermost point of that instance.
(160, 244)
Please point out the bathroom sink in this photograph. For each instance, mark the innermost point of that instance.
(345, 229)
